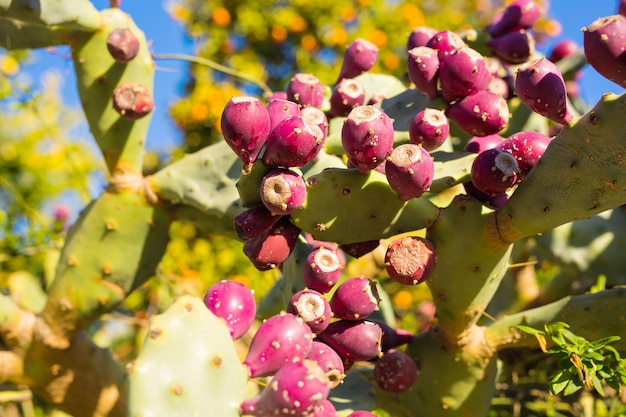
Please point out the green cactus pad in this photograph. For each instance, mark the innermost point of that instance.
(19, 35)
(97, 75)
(71, 14)
(187, 367)
(345, 206)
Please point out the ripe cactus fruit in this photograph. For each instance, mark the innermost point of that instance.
(410, 260)
(123, 45)
(252, 222)
(298, 389)
(527, 148)
(270, 249)
(429, 128)
(281, 339)
(540, 86)
(494, 171)
(312, 308)
(321, 269)
(461, 72)
(329, 361)
(358, 249)
(245, 124)
(480, 114)
(326, 409)
(355, 298)
(420, 36)
(132, 100)
(520, 14)
(603, 43)
(367, 137)
(395, 371)
(392, 338)
(346, 95)
(234, 303)
(316, 116)
(283, 191)
(361, 413)
(423, 70)
(477, 144)
(514, 47)
(293, 143)
(359, 57)
(410, 171)
(353, 340)
(306, 90)
(563, 49)
(445, 41)
(279, 109)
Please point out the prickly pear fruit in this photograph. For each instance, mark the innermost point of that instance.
(540, 86)
(355, 298)
(494, 171)
(358, 249)
(477, 144)
(480, 114)
(316, 116)
(233, 302)
(493, 201)
(410, 260)
(420, 36)
(621, 7)
(327, 409)
(252, 222)
(283, 191)
(270, 249)
(445, 41)
(423, 70)
(123, 45)
(313, 244)
(353, 340)
(367, 137)
(392, 338)
(520, 14)
(563, 49)
(359, 57)
(306, 90)
(312, 308)
(279, 109)
(293, 143)
(297, 389)
(395, 371)
(361, 413)
(514, 47)
(321, 269)
(132, 100)
(462, 72)
(603, 42)
(410, 170)
(429, 128)
(527, 148)
(346, 95)
(329, 361)
(279, 340)
(245, 125)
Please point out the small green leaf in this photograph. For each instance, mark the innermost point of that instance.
(529, 330)
(572, 387)
(597, 385)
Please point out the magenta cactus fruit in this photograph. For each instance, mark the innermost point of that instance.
(495, 202)
(346, 95)
(297, 389)
(514, 47)
(355, 298)
(253, 222)
(123, 45)
(361, 413)
(132, 100)
(306, 90)
(445, 41)
(293, 143)
(315, 116)
(326, 409)
(270, 249)
(540, 86)
(245, 125)
(283, 191)
(359, 57)
(312, 308)
(409, 170)
(462, 72)
(527, 147)
(621, 8)
(322, 269)
(392, 338)
(395, 371)
(477, 144)
(329, 361)
(279, 340)
(358, 249)
(494, 171)
(423, 70)
(563, 49)
(420, 36)
(353, 340)
(233, 302)
(410, 260)
(480, 114)
(280, 109)
(367, 137)
(603, 43)
(520, 14)
(429, 128)
(313, 244)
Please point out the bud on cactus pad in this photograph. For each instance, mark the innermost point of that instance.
(346, 95)
(123, 45)
(603, 42)
(423, 70)
(410, 260)
(514, 47)
(353, 340)
(329, 361)
(245, 124)
(395, 372)
(280, 109)
(233, 302)
(429, 128)
(283, 191)
(270, 249)
(462, 72)
(520, 14)
(359, 57)
(356, 298)
(480, 114)
(279, 340)
(293, 143)
(367, 137)
(494, 171)
(306, 90)
(132, 100)
(253, 222)
(312, 308)
(321, 269)
(410, 170)
(297, 389)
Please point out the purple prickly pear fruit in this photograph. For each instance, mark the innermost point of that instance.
(410, 260)
(293, 142)
(392, 338)
(315, 116)
(346, 95)
(563, 49)
(493, 201)
(358, 249)
(245, 125)
(132, 100)
(314, 244)
(279, 340)
(477, 144)
(520, 14)
(123, 45)
(306, 90)
(283, 191)
(322, 269)
(361, 413)
(354, 299)
(367, 137)
(603, 42)
(312, 307)
(494, 171)
(395, 372)
(329, 361)
(359, 57)
(297, 389)
(254, 221)
(353, 340)
(233, 302)
(445, 41)
(410, 170)
(527, 147)
(327, 409)
(462, 72)
(514, 47)
(270, 249)
(420, 36)
(280, 95)
(429, 128)
(480, 114)
(540, 86)
(423, 70)
(499, 87)
(279, 110)
(621, 8)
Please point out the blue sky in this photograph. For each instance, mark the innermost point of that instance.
(168, 37)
